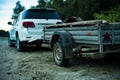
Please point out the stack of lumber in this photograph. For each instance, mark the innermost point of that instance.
(81, 23)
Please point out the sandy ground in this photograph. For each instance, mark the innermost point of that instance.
(37, 64)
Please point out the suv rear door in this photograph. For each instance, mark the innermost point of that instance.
(36, 18)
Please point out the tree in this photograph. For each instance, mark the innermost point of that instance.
(41, 3)
(82, 8)
(113, 15)
(18, 8)
(60, 6)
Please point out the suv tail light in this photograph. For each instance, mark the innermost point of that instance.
(106, 37)
(28, 24)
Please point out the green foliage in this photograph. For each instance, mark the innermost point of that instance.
(59, 5)
(86, 9)
(113, 15)
(17, 10)
(82, 8)
(41, 3)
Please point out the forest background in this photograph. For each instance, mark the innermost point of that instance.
(86, 9)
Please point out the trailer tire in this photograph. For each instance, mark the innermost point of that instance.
(59, 55)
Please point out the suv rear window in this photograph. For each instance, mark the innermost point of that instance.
(40, 14)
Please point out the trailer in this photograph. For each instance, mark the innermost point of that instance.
(67, 39)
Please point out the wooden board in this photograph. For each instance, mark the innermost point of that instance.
(81, 23)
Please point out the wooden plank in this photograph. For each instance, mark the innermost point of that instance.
(81, 23)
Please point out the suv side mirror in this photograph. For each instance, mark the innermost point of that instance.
(9, 23)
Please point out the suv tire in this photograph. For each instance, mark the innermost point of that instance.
(19, 44)
(10, 43)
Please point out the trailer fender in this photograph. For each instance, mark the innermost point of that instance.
(66, 41)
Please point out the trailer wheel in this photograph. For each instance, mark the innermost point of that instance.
(59, 55)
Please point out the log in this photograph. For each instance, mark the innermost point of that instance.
(81, 23)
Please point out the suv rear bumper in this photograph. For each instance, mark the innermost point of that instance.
(25, 36)
(31, 39)
(36, 42)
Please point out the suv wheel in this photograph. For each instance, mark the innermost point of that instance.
(38, 45)
(10, 42)
(18, 44)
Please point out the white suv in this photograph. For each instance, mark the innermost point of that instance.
(28, 28)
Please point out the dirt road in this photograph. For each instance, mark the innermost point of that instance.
(37, 64)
